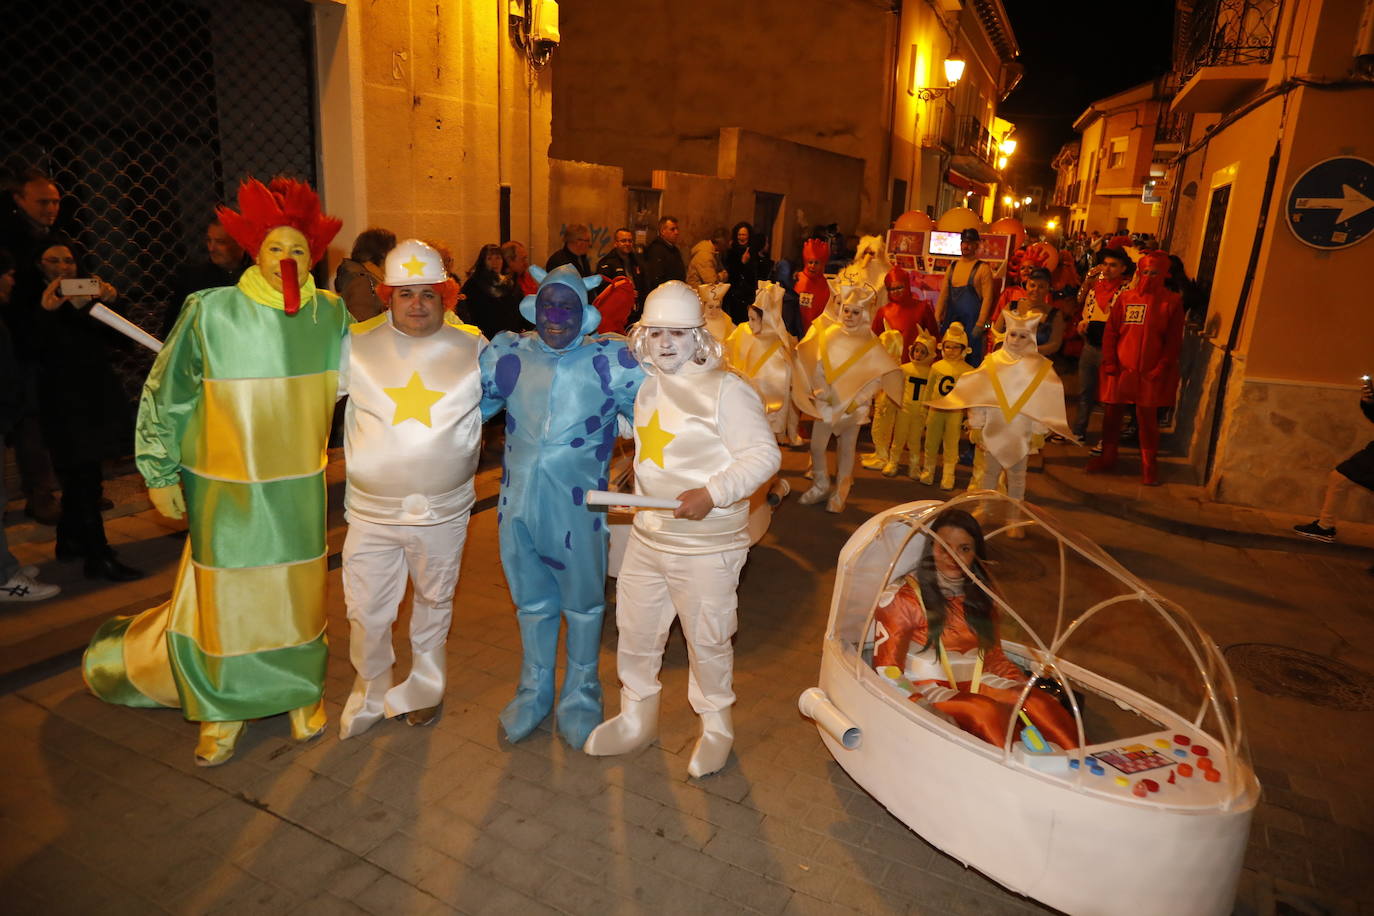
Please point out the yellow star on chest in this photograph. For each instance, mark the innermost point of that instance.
(653, 439)
(413, 400)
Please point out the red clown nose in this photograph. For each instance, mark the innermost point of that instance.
(290, 286)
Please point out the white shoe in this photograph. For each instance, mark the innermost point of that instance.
(838, 498)
(30, 571)
(365, 707)
(712, 750)
(820, 489)
(634, 728)
(21, 587)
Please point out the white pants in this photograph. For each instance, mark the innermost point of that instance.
(376, 561)
(1016, 474)
(652, 589)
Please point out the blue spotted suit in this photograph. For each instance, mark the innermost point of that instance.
(561, 408)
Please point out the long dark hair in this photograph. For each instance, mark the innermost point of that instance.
(977, 604)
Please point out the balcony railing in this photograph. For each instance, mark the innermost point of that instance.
(1227, 33)
(974, 140)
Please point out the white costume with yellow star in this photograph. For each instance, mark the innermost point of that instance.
(698, 427)
(412, 436)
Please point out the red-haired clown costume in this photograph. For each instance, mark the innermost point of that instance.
(412, 433)
(236, 412)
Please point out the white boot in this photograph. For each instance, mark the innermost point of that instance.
(713, 747)
(635, 727)
(424, 687)
(820, 489)
(838, 498)
(365, 707)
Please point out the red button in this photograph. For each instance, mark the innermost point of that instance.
(1150, 784)
(1212, 775)
(1205, 763)
(1183, 740)
(1185, 770)
(1139, 790)
(1199, 750)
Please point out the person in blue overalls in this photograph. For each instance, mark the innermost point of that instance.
(966, 295)
(562, 389)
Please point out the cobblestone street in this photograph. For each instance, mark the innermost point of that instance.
(103, 811)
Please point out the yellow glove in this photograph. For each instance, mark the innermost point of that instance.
(975, 435)
(1037, 442)
(168, 500)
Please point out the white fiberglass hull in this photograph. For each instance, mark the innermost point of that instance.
(1037, 835)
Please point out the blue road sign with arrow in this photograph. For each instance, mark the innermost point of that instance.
(1331, 205)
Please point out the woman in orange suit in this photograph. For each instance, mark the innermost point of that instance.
(938, 636)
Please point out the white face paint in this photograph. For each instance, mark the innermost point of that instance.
(853, 316)
(1019, 342)
(670, 348)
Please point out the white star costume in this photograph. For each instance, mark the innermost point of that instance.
(412, 435)
(1014, 398)
(717, 322)
(764, 356)
(838, 371)
(700, 426)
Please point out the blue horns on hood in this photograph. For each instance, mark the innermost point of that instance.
(569, 277)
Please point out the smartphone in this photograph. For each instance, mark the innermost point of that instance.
(79, 287)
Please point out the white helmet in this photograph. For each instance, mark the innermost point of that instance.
(413, 263)
(672, 305)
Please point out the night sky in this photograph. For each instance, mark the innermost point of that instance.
(1076, 52)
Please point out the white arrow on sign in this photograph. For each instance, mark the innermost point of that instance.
(1351, 205)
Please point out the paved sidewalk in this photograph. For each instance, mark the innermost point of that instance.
(104, 811)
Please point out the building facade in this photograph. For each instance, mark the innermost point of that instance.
(783, 113)
(1271, 89)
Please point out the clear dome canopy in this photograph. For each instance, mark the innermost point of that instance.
(1145, 685)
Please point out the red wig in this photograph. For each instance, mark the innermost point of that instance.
(897, 276)
(448, 293)
(285, 202)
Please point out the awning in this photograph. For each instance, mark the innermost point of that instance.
(967, 183)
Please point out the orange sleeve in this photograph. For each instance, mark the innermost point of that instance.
(898, 623)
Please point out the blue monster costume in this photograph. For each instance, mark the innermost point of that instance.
(562, 391)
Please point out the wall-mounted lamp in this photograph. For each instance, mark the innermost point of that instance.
(1001, 163)
(954, 71)
(1006, 200)
(1008, 146)
(1026, 201)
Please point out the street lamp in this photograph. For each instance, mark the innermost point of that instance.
(1001, 163)
(1008, 146)
(954, 71)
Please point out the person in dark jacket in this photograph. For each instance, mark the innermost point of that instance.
(662, 258)
(577, 239)
(80, 405)
(17, 581)
(358, 274)
(227, 262)
(621, 261)
(742, 263)
(491, 299)
(1357, 470)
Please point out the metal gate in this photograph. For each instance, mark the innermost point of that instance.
(147, 113)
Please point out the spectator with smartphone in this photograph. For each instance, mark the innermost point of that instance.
(17, 582)
(80, 404)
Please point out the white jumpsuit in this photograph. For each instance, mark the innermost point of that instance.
(412, 437)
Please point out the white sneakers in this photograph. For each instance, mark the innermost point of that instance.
(23, 586)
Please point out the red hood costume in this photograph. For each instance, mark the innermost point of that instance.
(615, 303)
(812, 288)
(904, 313)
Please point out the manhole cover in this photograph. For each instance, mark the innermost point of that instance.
(1283, 672)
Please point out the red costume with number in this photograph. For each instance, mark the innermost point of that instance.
(812, 288)
(1140, 347)
(900, 637)
(904, 313)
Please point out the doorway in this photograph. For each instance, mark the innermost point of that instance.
(766, 209)
(1211, 244)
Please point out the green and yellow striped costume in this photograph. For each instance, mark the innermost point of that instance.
(237, 409)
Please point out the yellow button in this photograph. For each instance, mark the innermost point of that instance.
(1160, 742)
(1122, 781)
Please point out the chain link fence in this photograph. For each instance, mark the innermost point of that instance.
(147, 113)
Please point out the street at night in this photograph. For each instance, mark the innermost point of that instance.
(626, 456)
